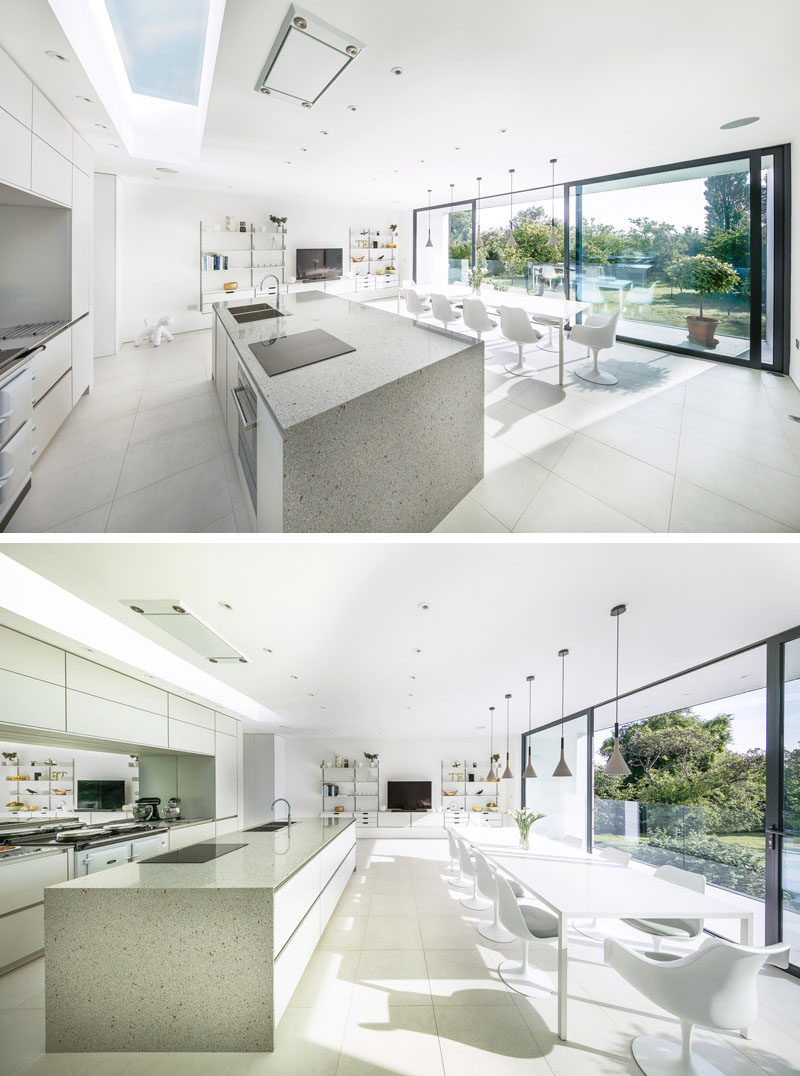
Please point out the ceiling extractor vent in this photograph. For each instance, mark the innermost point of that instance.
(173, 616)
(308, 55)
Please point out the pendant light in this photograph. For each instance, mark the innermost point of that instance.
(452, 185)
(491, 775)
(529, 770)
(562, 769)
(511, 240)
(478, 215)
(430, 241)
(552, 240)
(616, 765)
(507, 774)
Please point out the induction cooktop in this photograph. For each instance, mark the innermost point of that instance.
(196, 853)
(301, 349)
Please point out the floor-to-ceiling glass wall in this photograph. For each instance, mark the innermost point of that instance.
(443, 246)
(561, 800)
(788, 843)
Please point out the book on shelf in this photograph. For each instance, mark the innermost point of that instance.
(215, 261)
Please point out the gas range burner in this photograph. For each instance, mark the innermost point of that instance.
(34, 328)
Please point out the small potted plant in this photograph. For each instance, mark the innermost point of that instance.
(370, 758)
(279, 222)
(10, 758)
(525, 818)
(706, 274)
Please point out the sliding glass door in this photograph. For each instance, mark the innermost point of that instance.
(450, 231)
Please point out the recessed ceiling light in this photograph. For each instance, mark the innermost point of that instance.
(456, 147)
(423, 607)
(265, 90)
(396, 71)
(266, 649)
(305, 104)
(352, 108)
(323, 707)
(303, 149)
(412, 677)
(311, 694)
(287, 162)
(745, 121)
(174, 172)
(323, 132)
(411, 694)
(86, 100)
(114, 145)
(102, 126)
(416, 650)
(222, 605)
(293, 677)
(503, 130)
(56, 56)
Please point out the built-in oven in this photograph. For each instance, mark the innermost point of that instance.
(244, 395)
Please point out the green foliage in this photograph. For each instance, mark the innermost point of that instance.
(525, 818)
(724, 863)
(727, 201)
(730, 245)
(476, 275)
(704, 274)
(460, 251)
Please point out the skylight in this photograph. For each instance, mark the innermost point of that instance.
(162, 43)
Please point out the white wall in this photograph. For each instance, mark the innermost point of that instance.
(161, 244)
(107, 265)
(399, 760)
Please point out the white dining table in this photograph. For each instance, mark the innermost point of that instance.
(561, 311)
(574, 885)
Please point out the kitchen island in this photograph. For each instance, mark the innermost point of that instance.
(385, 437)
(192, 956)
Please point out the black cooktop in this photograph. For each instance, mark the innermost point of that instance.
(302, 349)
(196, 853)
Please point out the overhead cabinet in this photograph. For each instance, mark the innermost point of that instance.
(83, 675)
(90, 715)
(50, 126)
(51, 174)
(15, 152)
(185, 737)
(191, 712)
(21, 654)
(34, 703)
(16, 91)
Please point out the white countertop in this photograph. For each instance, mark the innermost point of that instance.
(266, 863)
(388, 347)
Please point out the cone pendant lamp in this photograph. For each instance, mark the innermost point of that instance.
(430, 241)
(562, 769)
(552, 239)
(491, 775)
(616, 765)
(529, 770)
(511, 240)
(507, 774)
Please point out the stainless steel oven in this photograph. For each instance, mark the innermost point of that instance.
(244, 395)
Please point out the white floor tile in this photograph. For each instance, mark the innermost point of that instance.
(697, 510)
(66, 494)
(636, 438)
(562, 508)
(509, 487)
(159, 457)
(187, 501)
(532, 435)
(469, 516)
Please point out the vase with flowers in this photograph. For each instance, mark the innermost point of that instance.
(525, 817)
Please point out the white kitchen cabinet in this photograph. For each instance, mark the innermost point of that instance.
(50, 125)
(81, 241)
(269, 450)
(293, 961)
(89, 715)
(191, 712)
(50, 412)
(332, 893)
(87, 676)
(185, 737)
(16, 90)
(29, 702)
(182, 836)
(22, 881)
(226, 765)
(220, 362)
(21, 936)
(334, 852)
(50, 365)
(51, 174)
(20, 653)
(82, 357)
(144, 847)
(229, 407)
(15, 152)
(226, 825)
(226, 724)
(293, 900)
(82, 154)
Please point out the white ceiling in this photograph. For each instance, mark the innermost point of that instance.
(603, 86)
(343, 617)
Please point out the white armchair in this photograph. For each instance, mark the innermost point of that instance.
(487, 885)
(714, 987)
(678, 929)
(442, 311)
(414, 305)
(641, 296)
(476, 318)
(530, 924)
(462, 881)
(597, 333)
(514, 325)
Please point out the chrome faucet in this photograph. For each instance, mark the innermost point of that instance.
(281, 799)
(277, 285)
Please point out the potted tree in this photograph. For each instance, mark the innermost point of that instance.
(706, 274)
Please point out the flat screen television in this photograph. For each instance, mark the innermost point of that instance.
(408, 795)
(319, 263)
(101, 795)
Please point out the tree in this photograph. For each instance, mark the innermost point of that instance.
(730, 245)
(727, 201)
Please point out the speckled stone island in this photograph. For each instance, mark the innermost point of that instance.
(189, 957)
(386, 438)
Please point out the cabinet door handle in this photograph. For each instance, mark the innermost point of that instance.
(5, 477)
(6, 414)
(247, 424)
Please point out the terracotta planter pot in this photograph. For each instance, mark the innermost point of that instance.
(701, 330)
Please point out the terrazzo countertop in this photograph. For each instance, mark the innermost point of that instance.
(266, 863)
(388, 348)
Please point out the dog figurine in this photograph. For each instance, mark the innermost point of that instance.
(154, 334)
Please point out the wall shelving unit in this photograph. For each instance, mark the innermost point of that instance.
(38, 793)
(357, 790)
(468, 794)
(377, 271)
(250, 256)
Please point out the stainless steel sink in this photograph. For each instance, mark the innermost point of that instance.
(255, 312)
(268, 827)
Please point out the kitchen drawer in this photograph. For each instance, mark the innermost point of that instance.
(50, 413)
(51, 364)
(191, 712)
(183, 835)
(183, 737)
(15, 152)
(15, 466)
(16, 90)
(88, 715)
(293, 961)
(144, 847)
(94, 679)
(21, 654)
(332, 893)
(292, 901)
(226, 724)
(334, 852)
(51, 174)
(82, 356)
(21, 935)
(31, 703)
(50, 125)
(16, 403)
(22, 881)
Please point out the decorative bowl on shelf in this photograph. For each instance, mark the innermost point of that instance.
(359, 259)
(231, 285)
(477, 807)
(446, 793)
(338, 810)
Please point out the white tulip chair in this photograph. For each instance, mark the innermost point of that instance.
(713, 987)
(597, 333)
(415, 305)
(442, 311)
(476, 318)
(641, 296)
(529, 924)
(475, 902)
(620, 859)
(461, 882)
(515, 325)
(452, 844)
(676, 929)
(548, 322)
(493, 931)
